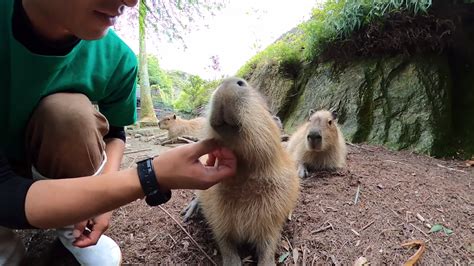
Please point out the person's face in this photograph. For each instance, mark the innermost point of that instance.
(85, 19)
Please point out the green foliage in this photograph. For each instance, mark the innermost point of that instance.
(286, 52)
(194, 94)
(337, 20)
(340, 18)
(160, 80)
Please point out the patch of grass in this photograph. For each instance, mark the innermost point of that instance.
(286, 52)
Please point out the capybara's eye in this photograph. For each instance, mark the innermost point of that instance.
(241, 83)
(330, 122)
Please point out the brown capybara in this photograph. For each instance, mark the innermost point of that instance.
(252, 207)
(318, 144)
(178, 127)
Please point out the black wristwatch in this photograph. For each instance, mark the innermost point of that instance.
(150, 186)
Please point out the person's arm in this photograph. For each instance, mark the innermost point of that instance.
(59, 202)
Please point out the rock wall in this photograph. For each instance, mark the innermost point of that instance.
(399, 102)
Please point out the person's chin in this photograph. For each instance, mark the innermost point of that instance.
(94, 35)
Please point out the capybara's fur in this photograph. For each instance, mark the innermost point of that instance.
(318, 144)
(178, 127)
(252, 207)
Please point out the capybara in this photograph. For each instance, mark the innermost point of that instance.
(252, 207)
(318, 144)
(178, 127)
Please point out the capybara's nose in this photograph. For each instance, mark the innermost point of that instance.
(314, 135)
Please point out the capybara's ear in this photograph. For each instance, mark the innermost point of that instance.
(174, 116)
(310, 113)
(334, 115)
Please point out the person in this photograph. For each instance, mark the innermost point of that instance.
(58, 58)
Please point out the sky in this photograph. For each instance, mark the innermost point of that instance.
(234, 35)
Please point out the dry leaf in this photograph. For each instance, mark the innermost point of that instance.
(296, 255)
(413, 259)
(361, 261)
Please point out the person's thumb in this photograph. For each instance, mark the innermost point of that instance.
(203, 147)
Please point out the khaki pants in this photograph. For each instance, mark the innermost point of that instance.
(64, 139)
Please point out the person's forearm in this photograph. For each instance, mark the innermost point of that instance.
(114, 149)
(49, 203)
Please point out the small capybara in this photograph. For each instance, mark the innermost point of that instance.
(318, 144)
(178, 127)
(252, 207)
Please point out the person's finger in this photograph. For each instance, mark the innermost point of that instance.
(211, 159)
(79, 228)
(226, 158)
(82, 242)
(202, 147)
(94, 236)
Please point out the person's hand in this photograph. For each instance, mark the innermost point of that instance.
(180, 168)
(88, 232)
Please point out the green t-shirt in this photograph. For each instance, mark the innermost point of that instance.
(104, 70)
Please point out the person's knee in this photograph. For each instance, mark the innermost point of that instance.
(65, 136)
(70, 115)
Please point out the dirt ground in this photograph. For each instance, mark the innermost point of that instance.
(367, 210)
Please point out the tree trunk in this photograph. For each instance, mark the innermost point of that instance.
(147, 114)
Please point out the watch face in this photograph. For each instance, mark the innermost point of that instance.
(157, 198)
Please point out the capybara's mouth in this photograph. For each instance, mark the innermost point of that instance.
(315, 145)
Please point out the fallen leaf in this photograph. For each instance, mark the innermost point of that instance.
(296, 255)
(361, 261)
(439, 227)
(436, 228)
(470, 163)
(469, 247)
(284, 245)
(283, 257)
(413, 259)
(447, 231)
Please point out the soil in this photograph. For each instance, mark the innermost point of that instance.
(331, 225)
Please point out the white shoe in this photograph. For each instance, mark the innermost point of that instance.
(105, 253)
(12, 249)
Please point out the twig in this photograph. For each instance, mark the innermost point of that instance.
(133, 162)
(174, 241)
(355, 232)
(289, 244)
(391, 161)
(166, 142)
(135, 151)
(191, 138)
(450, 169)
(189, 235)
(421, 218)
(322, 229)
(359, 147)
(153, 238)
(420, 230)
(186, 140)
(305, 257)
(357, 195)
(367, 225)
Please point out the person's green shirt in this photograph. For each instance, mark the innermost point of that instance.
(104, 70)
